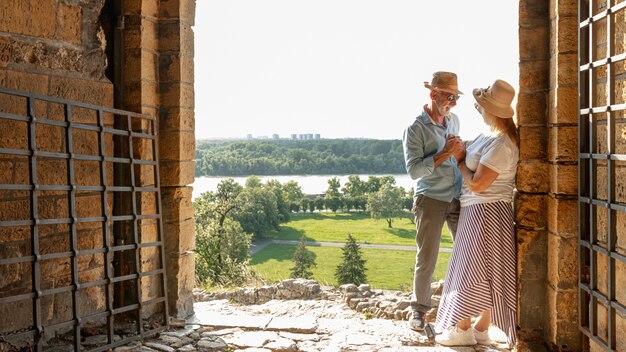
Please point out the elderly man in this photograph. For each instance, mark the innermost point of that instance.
(432, 150)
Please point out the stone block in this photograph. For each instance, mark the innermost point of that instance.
(30, 82)
(534, 75)
(564, 34)
(563, 144)
(532, 249)
(147, 8)
(177, 204)
(620, 281)
(560, 215)
(564, 179)
(14, 134)
(563, 8)
(563, 106)
(176, 119)
(531, 309)
(177, 173)
(533, 143)
(70, 19)
(564, 70)
(563, 319)
(534, 13)
(140, 64)
(176, 67)
(86, 91)
(25, 17)
(177, 145)
(176, 37)
(142, 92)
(529, 37)
(180, 236)
(6, 172)
(532, 176)
(562, 262)
(50, 138)
(531, 210)
(532, 108)
(14, 209)
(184, 10)
(180, 283)
(177, 94)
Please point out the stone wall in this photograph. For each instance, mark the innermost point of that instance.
(59, 48)
(533, 171)
(51, 48)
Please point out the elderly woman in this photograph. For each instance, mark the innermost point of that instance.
(481, 275)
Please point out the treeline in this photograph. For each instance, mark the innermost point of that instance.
(294, 157)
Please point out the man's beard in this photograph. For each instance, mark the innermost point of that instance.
(443, 109)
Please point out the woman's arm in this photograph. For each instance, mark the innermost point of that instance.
(481, 179)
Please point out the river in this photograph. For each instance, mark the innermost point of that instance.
(310, 184)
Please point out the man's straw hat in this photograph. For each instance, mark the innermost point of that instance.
(496, 99)
(444, 81)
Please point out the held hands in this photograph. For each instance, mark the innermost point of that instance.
(455, 147)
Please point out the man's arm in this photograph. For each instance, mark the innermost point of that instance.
(419, 165)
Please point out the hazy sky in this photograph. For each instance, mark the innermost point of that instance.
(343, 68)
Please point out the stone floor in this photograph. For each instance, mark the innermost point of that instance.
(293, 325)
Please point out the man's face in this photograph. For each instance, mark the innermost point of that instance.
(445, 101)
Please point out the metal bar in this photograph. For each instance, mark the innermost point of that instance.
(74, 103)
(155, 154)
(612, 228)
(69, 142)
(17, 260)
(16, 151)
(22, 297)
(135, 233)
(592, 181)
(34, 214)
(106, 235)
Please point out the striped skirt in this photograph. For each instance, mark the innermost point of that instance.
(482, 270)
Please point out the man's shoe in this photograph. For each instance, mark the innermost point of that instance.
(417, 320)
(482, 337)
(453, 336)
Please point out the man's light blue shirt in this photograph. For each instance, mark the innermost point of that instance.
(421, 141)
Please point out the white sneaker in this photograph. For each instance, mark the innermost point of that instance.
(453, 336)
(482, 337)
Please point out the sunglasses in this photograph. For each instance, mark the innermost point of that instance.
(453, 97)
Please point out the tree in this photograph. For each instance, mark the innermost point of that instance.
(284, 209)
(386, 203)
(221, 244)
(303, 260)
(333, 188)
(352, 268)
(354, 187)
(293, 192)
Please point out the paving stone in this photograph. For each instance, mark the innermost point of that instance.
(281, 344)
(244, 321)
(159, 347)
(187, 348)
(211, 345)
(299, 337)
(182, 332)
(291, 324)
(252, 338)
(169, 341)
(220, 332)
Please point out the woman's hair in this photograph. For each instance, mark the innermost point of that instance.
(497, 124)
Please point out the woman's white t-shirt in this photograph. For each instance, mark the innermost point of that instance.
(500, 154)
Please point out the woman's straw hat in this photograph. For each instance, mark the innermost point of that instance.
(496, 99)
(444, 81)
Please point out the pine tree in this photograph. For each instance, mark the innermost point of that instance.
(352, 269)
(303, 262)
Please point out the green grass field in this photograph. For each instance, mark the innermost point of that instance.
(386, 269)
(335, 227)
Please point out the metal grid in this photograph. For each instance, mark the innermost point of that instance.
(134, 316)
(600, 208)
